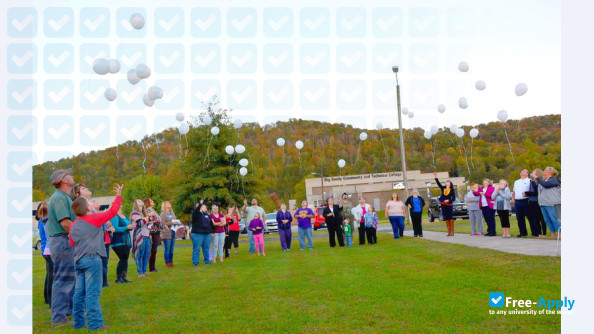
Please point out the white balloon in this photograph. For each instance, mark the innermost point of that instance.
(462, 103)
(237, 124)
(427, 134)
(280, 142)
(434, 129)
(460, 132)
(132, 77)
(184, 128)
(521, 89)
(453, 128)
(229, 149)
(473, 133)
(411, 114)
(463, 66)
(379, 126)
(363, 136)
(143, 71)
(480, 85)
(101, 66)
(155, 92)
(299, 144)
(404, 111)
(243, 162)
(243, 171)
(441, 108)
(239, 149)
(502, 115)
(206, 120)
(137, 21)
(147, 100)
(110, 94)
(114, 66)
(214, 130)
(341, 163)
(179, 116)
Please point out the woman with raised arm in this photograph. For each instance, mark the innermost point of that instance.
(446, 199)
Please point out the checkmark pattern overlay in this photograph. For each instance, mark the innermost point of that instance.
(259, 60)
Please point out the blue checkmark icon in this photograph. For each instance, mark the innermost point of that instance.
(496, 299)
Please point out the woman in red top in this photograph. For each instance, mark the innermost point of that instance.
(233, 218)
(219, 222)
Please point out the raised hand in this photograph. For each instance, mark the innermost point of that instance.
(118, 189)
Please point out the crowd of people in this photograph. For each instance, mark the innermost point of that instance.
(77, 237)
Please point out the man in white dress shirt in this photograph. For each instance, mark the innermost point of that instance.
(521, 186)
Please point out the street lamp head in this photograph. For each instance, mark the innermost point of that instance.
(395, 69)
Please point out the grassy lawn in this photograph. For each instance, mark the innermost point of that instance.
(411, 284)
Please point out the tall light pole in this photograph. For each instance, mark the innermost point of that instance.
(402, 155)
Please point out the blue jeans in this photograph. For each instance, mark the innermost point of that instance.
(143, 255)
(549, 212)
(349, 240)
(89, 270)
(397, 225)
(219, 242)
(105, 261)
(303, 232)
(64, 278)
(200, 241)
(251, 240)
(168, 244)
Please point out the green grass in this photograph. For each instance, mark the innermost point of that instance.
(412, 285)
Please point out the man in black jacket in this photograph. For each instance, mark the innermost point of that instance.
(334, 222)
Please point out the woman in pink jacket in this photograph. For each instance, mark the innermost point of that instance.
(486, 204)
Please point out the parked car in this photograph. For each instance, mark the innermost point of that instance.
(271, 223)
(434, 210)
(36, 240)
(242, 227)
(319, 221)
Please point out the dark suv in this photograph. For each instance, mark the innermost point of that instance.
(434, 210)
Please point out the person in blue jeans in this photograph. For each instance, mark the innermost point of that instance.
(141, 241)
(167, 234)
(87, 238)
(202, 227)
(395, 212)
(549, 198)
(348, 232)
(304, 216)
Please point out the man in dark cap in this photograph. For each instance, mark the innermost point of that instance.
(60, 217)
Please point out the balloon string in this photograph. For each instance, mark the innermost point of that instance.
(508, 142)
(432, 153)
(207, 153)
(383, 145)
(357, 158)
(466, 156)
(242, 188)
(187, 146)
(283, 147)
(299, 154)
(143, 161)
(180, 146)
(471, 150)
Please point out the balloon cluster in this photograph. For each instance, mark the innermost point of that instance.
(103, 66)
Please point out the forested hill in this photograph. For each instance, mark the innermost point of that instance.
(181, 175)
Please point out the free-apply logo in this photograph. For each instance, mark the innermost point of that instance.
(498, 299)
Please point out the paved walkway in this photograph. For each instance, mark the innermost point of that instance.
(526, 246)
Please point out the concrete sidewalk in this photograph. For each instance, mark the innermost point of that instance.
(525, 246)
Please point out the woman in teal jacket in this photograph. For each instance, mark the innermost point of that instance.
(121, 244)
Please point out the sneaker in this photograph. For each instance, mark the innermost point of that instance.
(420, 236)
(62, 323)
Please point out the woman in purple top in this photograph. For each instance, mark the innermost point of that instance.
(219, 222)
(486, 203)
(284, 219)
(256, 226)
(304, 216)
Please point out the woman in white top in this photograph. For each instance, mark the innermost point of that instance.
(358, 213)
(395, 212)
